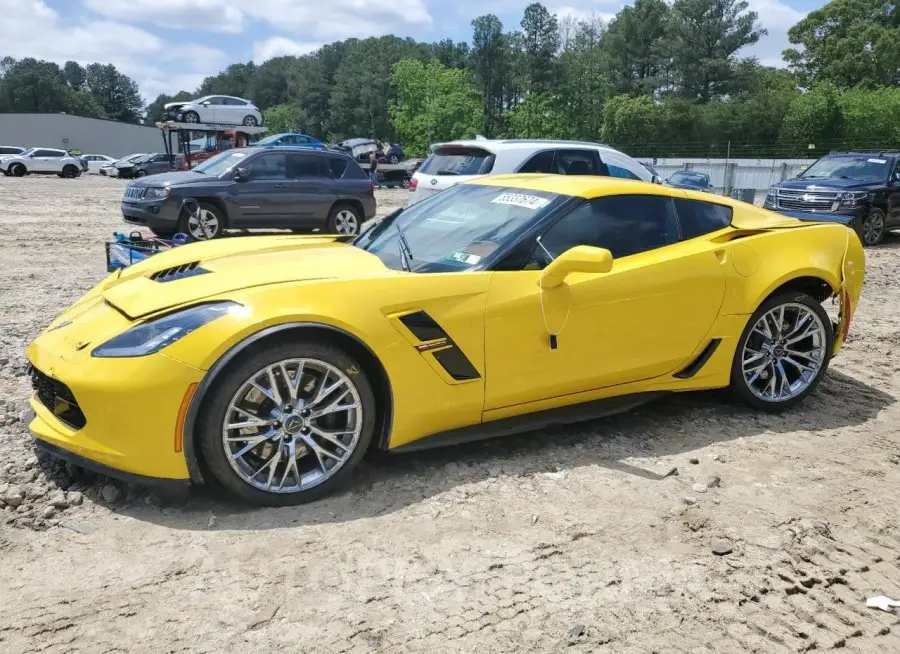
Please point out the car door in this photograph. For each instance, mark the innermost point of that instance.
(893, 218)
(264, 197)
(44, 161)
(311, 193)
(644, 318)
(159, 164)
(214, 111)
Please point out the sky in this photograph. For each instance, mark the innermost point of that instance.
(171, 45)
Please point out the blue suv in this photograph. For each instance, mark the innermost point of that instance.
(291, 139)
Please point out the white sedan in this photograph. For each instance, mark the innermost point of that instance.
(109, 169)
(96, 161)
(217, 109)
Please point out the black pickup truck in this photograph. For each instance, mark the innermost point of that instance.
(861, 189)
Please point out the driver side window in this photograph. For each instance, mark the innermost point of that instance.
(622, 224)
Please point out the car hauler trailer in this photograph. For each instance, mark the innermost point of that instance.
(218, 138)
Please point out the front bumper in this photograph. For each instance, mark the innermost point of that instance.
(130, 409)
(160, 214)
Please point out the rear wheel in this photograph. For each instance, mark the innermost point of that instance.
(205, 224)
(70, 172)
(250, 121)
(394, 159)
(873, 227)
(17, 170)
(344, 219)
(288, 424)
(783, 353)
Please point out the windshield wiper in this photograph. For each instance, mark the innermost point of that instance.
(406, 254)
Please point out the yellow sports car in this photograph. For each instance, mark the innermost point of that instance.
(272, 364)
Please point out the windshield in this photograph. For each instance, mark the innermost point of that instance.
(220, 163)
(457, 229)
(458, 161)
(689, 178)
(863, 167)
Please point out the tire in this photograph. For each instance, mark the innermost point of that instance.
(18, 170)
(250, 121)
(140, 173)
(873, 228)
(70, 172)
(761, 355)
(191, 117)
(211, 215)
(394, 159)
(352, 427)
(344, 219)
(405, 182)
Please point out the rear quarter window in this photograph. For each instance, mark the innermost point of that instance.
(458, 161)
(698, 218)
(351, 168)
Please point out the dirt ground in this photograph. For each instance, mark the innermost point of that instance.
(769, 538)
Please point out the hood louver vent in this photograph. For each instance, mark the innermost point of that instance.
(178, 272)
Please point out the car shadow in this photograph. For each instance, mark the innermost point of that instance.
(675, 425)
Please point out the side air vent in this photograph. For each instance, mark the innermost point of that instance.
(438, 343)
(178, 272)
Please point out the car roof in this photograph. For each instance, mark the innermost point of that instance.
(498, 145)
(299, 149)
(592, 186)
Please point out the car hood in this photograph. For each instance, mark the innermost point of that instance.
(827, 183)
(176, 177)
(231, 264)
(175, 105)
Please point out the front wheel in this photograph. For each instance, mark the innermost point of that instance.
(204, 224)
(344, 219)
(17, 170)
(394, 159)
(783, 353)
(873, 228)
(191, 117)
(288, 424)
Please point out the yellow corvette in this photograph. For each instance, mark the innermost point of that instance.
(272, 364)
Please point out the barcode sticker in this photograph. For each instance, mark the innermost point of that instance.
(878, 161)
(532, 202)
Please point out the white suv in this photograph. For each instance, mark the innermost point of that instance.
(43, 161)
(459, 161)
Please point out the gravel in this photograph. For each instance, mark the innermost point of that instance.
(439, 551)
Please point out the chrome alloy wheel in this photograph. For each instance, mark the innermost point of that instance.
(292, 425)
(203, 225)
(873, 227)
(784, 352)
(345, 222)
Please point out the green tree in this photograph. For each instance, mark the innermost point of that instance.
(75, 75)
(450, 54)
(117, 93)
(848, 43)
(540, 40)
(705, 38)
(871, 117)
(432, 103)
(285, 118)
(630, 122)
(813, 118)
(635, 47)
(583, 85)
(538, 116)
(489, 63)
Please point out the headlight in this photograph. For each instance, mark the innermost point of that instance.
(157, 192)
(150, 337)
(770, 196)
(853, 198)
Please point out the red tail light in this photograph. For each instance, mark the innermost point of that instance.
(413, 184)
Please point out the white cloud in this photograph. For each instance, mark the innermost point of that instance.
(278, 46)
(32, 29)
(778, 18)
(340, 19)
(211, 15)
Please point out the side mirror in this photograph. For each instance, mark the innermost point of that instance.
(896, 178)
(241, 175)
(205, 103)
(580, 259)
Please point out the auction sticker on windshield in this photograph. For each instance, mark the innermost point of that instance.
(532, 202)
(879, 161)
